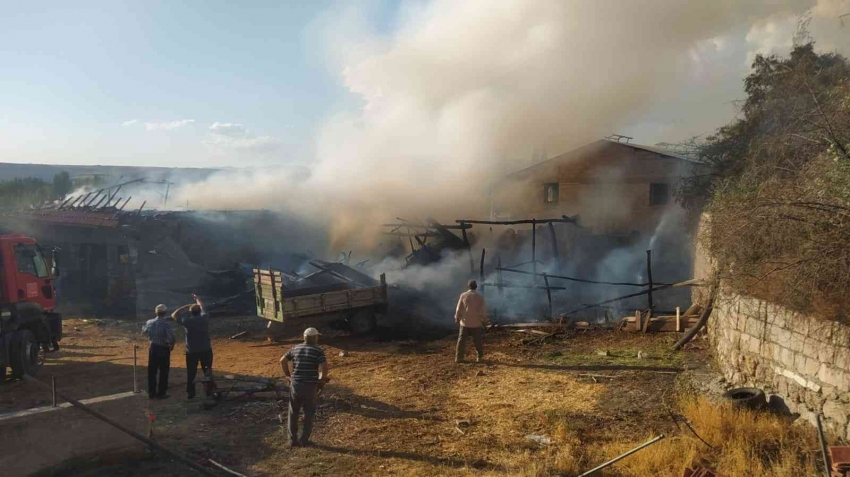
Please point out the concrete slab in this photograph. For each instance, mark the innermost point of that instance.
(37, 440)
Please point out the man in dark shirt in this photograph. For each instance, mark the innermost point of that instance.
(307, 360)
(161, 337)
(198, 346)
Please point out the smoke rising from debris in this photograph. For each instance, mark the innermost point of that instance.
(462, 92)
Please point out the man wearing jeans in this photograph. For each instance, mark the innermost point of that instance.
(198, 345)
(304, 381)
(470, 316)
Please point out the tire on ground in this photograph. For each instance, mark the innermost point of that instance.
(362, 321)
(23, 354)
(749, 398)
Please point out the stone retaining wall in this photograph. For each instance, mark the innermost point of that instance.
(799, 359)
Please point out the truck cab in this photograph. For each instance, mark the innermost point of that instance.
(28, 321)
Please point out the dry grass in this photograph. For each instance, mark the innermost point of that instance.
(747, 444)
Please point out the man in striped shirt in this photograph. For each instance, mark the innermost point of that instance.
(304, 381)
(161, 337)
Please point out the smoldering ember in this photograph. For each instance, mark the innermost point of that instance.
(518, 238)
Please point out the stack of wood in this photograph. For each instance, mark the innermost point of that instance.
(645, 321)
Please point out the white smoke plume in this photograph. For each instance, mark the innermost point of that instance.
(461, 92)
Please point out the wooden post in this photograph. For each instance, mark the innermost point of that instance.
(499, 284)
(548, 295)
(534, 248)
(53, 388)
(555, 252)
(649, 277)
(499, 278)
(481, 274)
(678, 320)
(648, 320)
(469, 252)
(135, 382)
(638, 325)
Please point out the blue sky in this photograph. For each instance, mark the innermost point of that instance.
(350, 84)
(71, 73)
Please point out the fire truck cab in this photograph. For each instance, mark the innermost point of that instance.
(28, 321)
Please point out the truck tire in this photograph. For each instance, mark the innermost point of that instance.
(362, 321)
(23, 354)
(749, 398)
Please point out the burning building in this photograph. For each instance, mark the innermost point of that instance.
(121, 263)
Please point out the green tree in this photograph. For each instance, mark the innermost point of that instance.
(62, 185)
(779, 191)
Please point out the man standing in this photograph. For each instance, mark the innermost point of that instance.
(470, 316)
(304, 381)
(161, 338)
(198, 345)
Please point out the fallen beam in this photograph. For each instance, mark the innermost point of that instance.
(659, 323)
(563, 220)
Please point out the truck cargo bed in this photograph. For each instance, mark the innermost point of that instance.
(276, 302)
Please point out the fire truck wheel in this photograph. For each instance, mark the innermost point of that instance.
(23, 354)
(363, 321)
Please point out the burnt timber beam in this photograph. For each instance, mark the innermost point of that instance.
(564, 219)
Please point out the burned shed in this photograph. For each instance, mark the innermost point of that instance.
(119, 263)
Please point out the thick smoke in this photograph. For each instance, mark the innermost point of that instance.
(462, 92)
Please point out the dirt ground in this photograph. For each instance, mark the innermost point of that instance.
(393, 406)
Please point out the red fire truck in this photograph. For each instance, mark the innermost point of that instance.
(28, 321)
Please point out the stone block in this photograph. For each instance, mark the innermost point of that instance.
(826, 354)
(813, 400)
(841, 358)
(812, 367)
(784, 338)
(744, 342)
(800, 364)
(820, 330)
(777, 353)
(787, 358)
(829, 393)
(754, 345)
(774, 334)
(811, 347)
(834, 376)
(840, 335)
(837, 412)
(797, 342)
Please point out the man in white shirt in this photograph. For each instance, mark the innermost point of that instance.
(470, 316)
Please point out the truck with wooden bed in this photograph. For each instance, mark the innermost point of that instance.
(335, 291)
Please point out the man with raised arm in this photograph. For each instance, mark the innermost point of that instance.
(198, 345)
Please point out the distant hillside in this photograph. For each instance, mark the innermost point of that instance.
(47, 171)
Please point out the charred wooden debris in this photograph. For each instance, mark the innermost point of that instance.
(428, 242)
